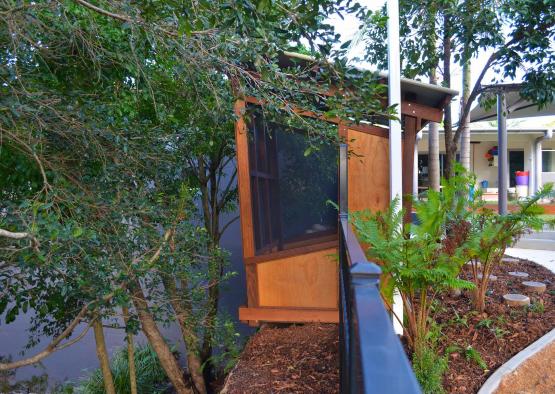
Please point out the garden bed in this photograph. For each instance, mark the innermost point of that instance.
(292, 359)
(499, 333)
(302, 359)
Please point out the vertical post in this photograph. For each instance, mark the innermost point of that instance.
(538, 164)
(502, 173)
(415, 166)
(344, 305)
(343, 185)
(394, 95)
(409, 143)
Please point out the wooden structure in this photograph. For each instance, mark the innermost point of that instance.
(294, 277)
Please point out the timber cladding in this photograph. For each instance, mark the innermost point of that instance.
(368, 171)
(307, 280)
(300, 283)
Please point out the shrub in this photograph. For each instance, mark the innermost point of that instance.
(429, 368)
(151, 378)
(420, 260)
(493, 233)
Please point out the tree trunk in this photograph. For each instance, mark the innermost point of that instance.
(167, 360)
(182, 311)
(215, 265)
(215, 274)
(433, 146)
(465, 122)
(130, 354)
(103, 357)
(450, 143)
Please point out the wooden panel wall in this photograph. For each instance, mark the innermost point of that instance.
(308, 280)
(368, 181)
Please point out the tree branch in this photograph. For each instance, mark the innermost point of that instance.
(477, 89)
(128, 19)
(51, 347)
(12, 235)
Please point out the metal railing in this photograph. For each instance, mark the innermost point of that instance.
(372, 357)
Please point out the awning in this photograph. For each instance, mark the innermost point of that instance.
(517, 107)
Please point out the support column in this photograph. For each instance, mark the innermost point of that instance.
(502, 173)
(394, 96)
(409, 144)
(415, 166)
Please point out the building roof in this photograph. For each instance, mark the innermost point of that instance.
(517, 107)
(510, 130)
(419, 92)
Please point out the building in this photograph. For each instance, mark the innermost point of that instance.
(530, 149)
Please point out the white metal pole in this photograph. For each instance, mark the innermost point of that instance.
(394, 68)
(395, 150)
(503, 163)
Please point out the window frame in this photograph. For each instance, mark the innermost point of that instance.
(543, 151)
(310, 244)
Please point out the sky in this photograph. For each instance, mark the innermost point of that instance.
(349, 27)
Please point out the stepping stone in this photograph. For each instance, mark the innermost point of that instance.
(516, 299)
(518, 274)
(455, 292)
(509, 260)
(492, 278)
(469, 264)
(536, 287)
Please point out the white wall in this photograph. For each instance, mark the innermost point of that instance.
(548, 176)
(480, 165)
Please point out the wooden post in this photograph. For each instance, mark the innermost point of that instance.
(408, 165)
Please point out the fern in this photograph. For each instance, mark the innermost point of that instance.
(421, 260)
(474, 355)
(491, 234)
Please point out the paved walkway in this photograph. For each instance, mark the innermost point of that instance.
(542, 257)
(534, 376)
(541, 240)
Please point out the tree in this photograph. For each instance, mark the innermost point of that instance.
(517, 35)
(120, 115)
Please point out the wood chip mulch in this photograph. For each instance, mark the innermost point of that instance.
(305, 358)
(500, 332)
(293, 359)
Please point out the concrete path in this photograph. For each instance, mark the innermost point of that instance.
(542, 240)
(513, 366)
(542, 257)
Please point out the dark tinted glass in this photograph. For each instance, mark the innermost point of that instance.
(290, 189)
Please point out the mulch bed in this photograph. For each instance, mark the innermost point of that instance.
(293, 359)
(500, 332)
(305, 358)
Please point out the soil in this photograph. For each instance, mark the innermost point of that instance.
(292, 359)
(500, 332)
(535, 376)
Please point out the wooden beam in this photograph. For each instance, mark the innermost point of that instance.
(425, 112)
(245, 205)
(288, 315)
(243, 179)
(363, 127)
(282, 254)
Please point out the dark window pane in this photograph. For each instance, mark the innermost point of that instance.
(291, 189)
(548, 161)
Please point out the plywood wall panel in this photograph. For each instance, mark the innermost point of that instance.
(368, 181)
(308, 280)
